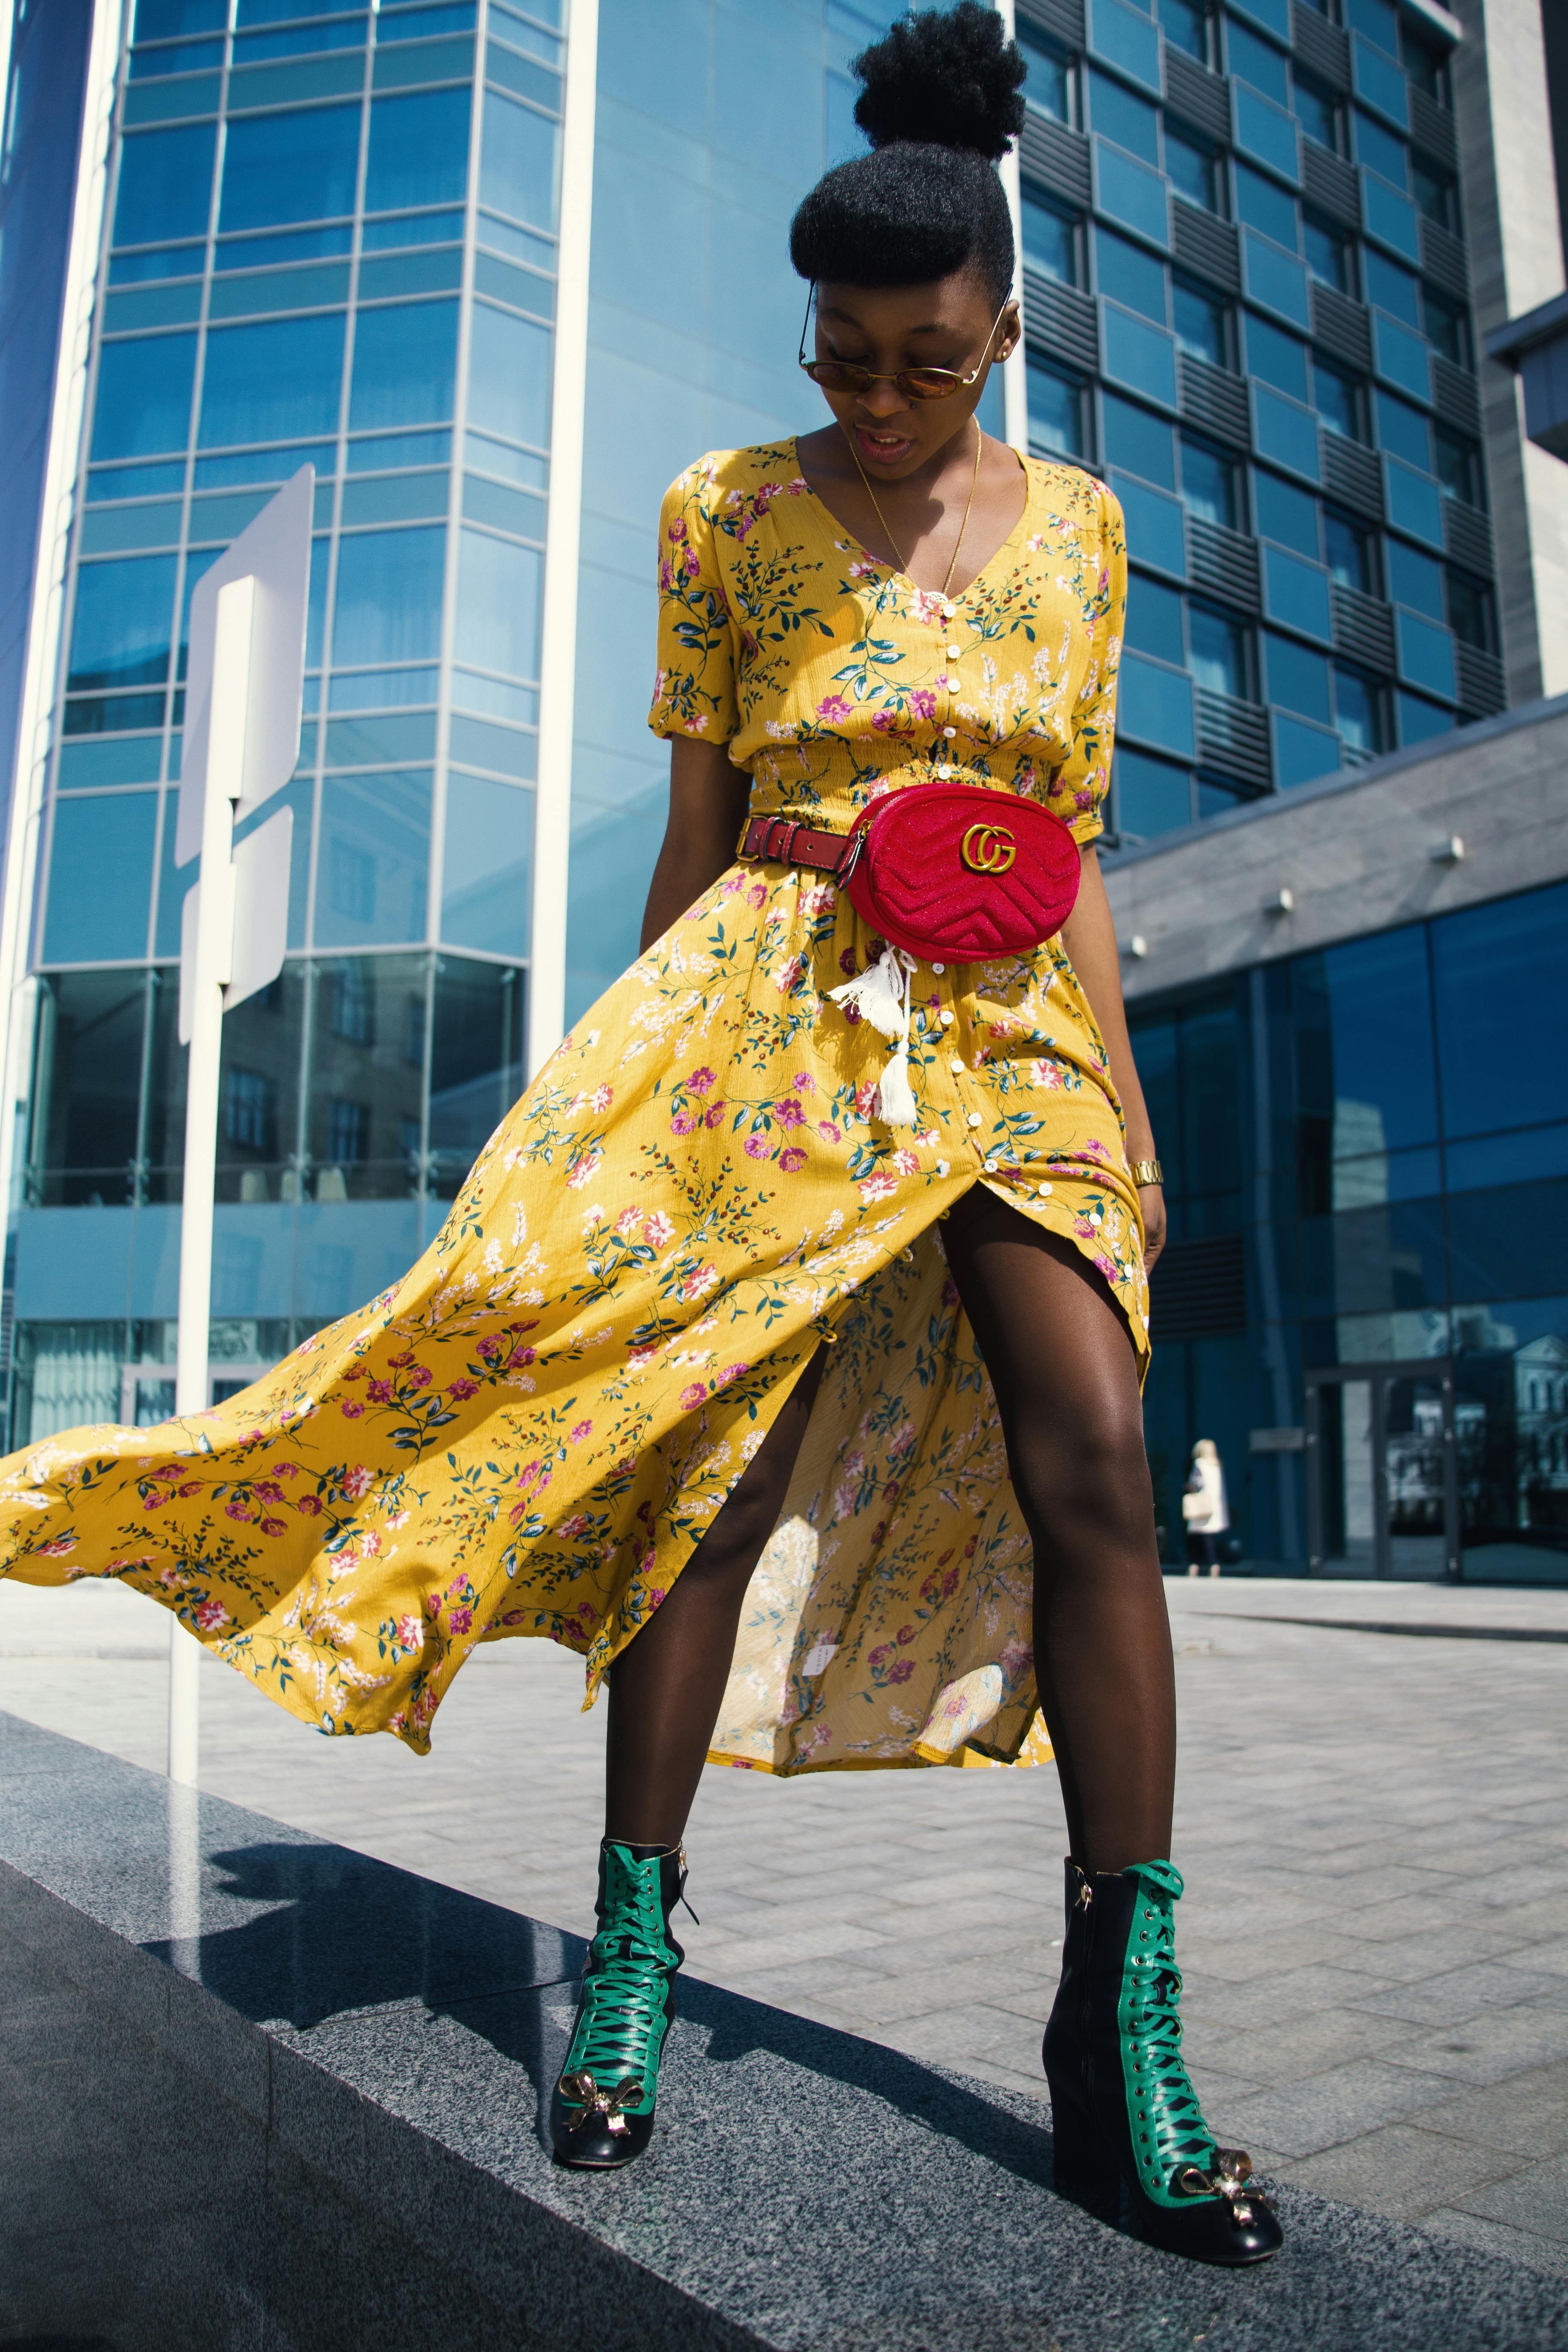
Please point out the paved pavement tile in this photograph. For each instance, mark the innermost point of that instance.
(1374, 1831)
(1461, 1994)
(1535, 2199)
(1526, 2247)
(1326, 2109)
(1402, 2170)
(1525, 2114)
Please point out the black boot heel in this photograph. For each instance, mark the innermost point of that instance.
(1123, 2109)
(1088, 2173)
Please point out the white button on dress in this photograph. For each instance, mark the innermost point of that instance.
(956, 1066)
(974, 1119)
(949, 732)
(947, 1016)
(988, 1168)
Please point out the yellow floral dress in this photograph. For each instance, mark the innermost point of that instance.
(529, 1432)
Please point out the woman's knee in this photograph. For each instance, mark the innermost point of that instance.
(1087, 1461)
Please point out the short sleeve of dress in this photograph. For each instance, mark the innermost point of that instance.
(694, 692)
(1086, 777)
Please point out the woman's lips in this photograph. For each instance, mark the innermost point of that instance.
(878, 449)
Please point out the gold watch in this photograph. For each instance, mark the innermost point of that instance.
(1146, 1171)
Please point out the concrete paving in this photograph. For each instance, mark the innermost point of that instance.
(1371, 1819)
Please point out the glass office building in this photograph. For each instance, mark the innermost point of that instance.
(1365, 1298)
(1249, 307)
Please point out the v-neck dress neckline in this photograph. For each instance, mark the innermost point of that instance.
(827, 518)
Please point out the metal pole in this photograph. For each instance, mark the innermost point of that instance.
(558, 628)
(1014, 367)
(214, 943)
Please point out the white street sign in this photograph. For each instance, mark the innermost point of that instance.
(261, 886)
(274, 550)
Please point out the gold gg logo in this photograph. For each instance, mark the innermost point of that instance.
(988, 849)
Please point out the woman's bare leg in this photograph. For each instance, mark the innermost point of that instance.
(1062, 1364)
(667, 1685)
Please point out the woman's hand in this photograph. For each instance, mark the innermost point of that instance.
(708, 801)
(1151, 1201)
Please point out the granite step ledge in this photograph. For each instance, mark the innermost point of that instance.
(260, 2094)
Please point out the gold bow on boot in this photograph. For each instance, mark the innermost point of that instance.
(581, 2091)
(1232, 2170)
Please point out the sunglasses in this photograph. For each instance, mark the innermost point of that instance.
(915, 384)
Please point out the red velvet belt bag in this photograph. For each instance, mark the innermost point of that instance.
(950, 872)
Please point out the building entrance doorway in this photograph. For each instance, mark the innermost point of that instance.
(1381, 1483)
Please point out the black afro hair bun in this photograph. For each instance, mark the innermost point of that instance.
(943, 78)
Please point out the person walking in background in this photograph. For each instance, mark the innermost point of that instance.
(1204, 1512)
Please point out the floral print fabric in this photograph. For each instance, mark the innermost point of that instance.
(531, 1431)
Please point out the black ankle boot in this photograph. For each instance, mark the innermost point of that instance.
(1123, 2109)
(601, 2112)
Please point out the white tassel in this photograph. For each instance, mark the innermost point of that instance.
(895, 1094)
(880, 994)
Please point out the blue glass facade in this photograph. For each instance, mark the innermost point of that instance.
(1365, 1299)
(1245, 296)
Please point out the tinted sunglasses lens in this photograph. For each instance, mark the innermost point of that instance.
(927, 384)
(837, 375)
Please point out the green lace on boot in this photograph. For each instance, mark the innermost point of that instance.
(623, 2018)
(1172, 2145)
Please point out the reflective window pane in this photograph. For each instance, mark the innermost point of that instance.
(1199, 319)
(1131, 122)
(1057, 408)
(1209, 482)
(366, 1077)
(1505, 1073)
(1129, 274)
(289, 167)
(520, 161)
(372, 860)
(144, 397)
(1154, 620)
(100, 878)
(88, 1061)
(1050, 238)
(1218, 655)
(476, 1061)
(1144, 444)
(418, 151)
(275, 382)
(1049, 83)
(509, 375)
(405, 365)
(389, 598)
(1358, 712)
(258, 1092)
(165, 182)
(498, 604)
(119, 632)
(1285, 513)
(1192, 170)
(1150, 795)
(487, 876)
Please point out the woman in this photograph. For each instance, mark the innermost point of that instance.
(1204, 1510)
(723, 1285)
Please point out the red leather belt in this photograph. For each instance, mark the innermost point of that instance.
(789, 843)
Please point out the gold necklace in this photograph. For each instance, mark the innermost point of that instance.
(963, 526)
